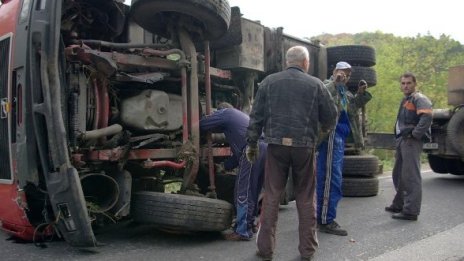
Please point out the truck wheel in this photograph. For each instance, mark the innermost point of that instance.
(438, 164)
(456, 167)
(213, 16)
(362, 73)
(181, 212)
(357, 55)
(455, 131)
(360, 187)
(360, 165)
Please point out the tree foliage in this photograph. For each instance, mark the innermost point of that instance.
(427, 57)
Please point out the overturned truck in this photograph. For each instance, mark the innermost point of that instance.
(100, 108)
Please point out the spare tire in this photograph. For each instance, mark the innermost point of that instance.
(181, 212)
(357, 55)
(455, 131)
(360, 165)
(213, 16)
(360, 187)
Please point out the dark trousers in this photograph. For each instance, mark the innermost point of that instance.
(248, 185)
(279, 159)
(406, 175)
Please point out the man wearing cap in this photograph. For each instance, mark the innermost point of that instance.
(331, 149)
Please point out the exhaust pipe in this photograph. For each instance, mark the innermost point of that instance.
(101, 192)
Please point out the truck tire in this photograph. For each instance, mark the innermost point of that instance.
(181, 212)
(362, 73)
(438, 164)
(355, 55)
(360, 165)
(455, 131)
(211, 15)
(456, 167)
(360, 187)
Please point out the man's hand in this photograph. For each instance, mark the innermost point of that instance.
(407, 133)
(340, 77)
(362, 85)
(252, 152)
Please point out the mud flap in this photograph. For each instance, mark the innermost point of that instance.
(70, 209)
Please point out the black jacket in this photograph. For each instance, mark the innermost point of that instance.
(291, 107)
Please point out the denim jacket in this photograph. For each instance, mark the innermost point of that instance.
(291, 107)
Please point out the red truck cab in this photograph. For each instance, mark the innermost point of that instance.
(14, 204)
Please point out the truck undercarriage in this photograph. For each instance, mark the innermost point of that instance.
(103, 114)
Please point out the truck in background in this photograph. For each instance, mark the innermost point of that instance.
(446, 150)
(100, 107)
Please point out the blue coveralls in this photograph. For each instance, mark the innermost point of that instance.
(330, 167)
(249, 181)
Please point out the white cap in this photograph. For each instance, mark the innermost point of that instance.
(342, 66)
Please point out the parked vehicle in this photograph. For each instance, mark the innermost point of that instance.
(446, 150)
(100, 104)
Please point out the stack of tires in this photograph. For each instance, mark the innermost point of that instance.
(360, 57)
(359, 171)
(360, 176)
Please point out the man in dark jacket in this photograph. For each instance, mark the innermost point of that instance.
(249, 180)
(291, 107)
(412, 127)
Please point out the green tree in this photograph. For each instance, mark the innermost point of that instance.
(427, 57)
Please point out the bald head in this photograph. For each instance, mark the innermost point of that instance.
(298, 56)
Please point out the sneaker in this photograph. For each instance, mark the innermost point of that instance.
(332, 228)
(264, 257)
(392, 209)
(235, 237)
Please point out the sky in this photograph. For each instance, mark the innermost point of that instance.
(406, 18)
(308, 18)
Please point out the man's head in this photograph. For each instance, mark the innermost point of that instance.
(224, 105)
(298, 56)
(408, 83)
(342, 72)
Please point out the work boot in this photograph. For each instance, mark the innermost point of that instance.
(393, 209)
(332, 228)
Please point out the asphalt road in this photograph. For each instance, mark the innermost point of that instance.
(373, 234)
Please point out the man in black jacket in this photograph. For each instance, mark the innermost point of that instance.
(291, 107)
